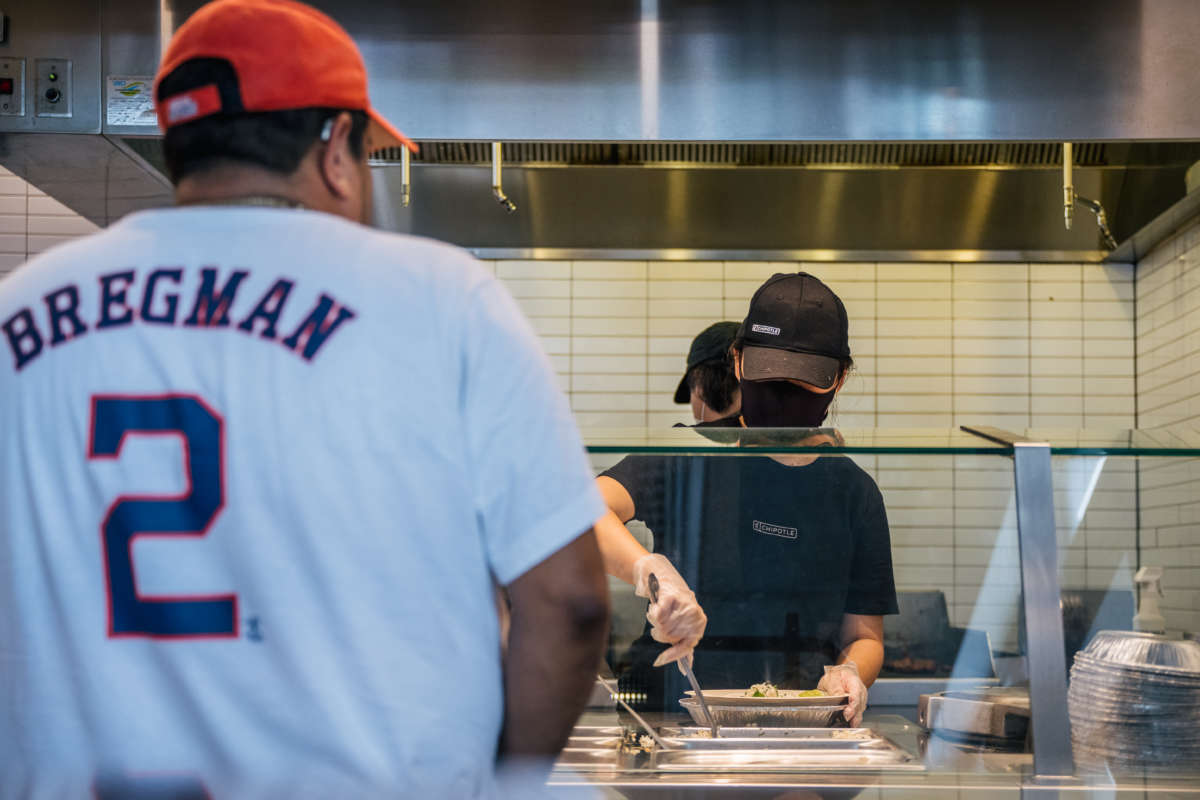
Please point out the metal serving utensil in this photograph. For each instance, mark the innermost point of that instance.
(686, 664)
(612, 689)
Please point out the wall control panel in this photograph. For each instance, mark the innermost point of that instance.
(52, 87)
(12, 87)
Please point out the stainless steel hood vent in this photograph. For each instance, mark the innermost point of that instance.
(839, 128)
(843, 200)
(781, 154)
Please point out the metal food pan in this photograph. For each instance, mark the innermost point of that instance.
(766, 743)
(593, 742)
(589, 756)
(768, 717)
(781, 760)
(774, 733)
(738, 697)
(597, 730)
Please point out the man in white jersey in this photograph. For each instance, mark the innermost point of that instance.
(261, 467)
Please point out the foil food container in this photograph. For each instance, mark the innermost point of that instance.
(1134, 704)
(773, 716)
(783, 761)
(1146, 651)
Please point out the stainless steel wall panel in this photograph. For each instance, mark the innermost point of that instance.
(705, 70)
(70, 30)
(929, 69)
(98, 177)
(770, 70)
(131, 46)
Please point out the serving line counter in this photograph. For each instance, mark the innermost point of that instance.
(995, 722)
(933, 767)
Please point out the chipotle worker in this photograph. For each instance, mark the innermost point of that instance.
(791, 555)
(708, 384)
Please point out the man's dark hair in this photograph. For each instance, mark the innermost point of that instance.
(715, 381)
(273, 140)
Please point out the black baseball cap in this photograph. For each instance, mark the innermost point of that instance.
(710, 344)
(796, 329)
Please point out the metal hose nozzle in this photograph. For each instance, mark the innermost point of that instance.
(1101, 220)
(405, 183)
(497, 187)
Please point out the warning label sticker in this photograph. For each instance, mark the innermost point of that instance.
(129, 101)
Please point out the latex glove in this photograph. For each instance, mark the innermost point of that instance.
(676, 619)
(843, 679)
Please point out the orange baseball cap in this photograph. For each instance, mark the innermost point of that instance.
(285, 55)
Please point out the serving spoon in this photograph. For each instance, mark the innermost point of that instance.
(686, 664)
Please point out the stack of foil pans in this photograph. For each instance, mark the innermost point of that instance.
(1134, 703)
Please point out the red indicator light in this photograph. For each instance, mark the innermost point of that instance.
(6, 85)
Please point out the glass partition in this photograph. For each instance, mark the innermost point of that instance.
(785, 535)
(1129, 537)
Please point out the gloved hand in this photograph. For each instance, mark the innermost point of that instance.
(843, 679)
(676, 619)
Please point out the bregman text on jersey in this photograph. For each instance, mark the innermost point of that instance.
(153, 297)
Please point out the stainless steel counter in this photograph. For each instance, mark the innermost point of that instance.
(948, 770)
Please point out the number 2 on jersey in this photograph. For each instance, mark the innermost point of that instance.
(200, 429)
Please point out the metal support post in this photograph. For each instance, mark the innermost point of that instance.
(1053, 761)
(1043, 610)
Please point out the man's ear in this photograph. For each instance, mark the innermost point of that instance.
(339, 167)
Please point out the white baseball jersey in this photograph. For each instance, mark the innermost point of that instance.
(258, 468)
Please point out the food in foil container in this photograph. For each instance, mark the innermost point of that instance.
(850, 733)
(634, 742)
(771, 690)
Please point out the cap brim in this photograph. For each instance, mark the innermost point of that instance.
(382, 135)
(682, 393)
(773, 364)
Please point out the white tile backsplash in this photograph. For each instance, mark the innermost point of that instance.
(593, 289)
(533, 269)
(538, 287)
(687, 270)
(608, 270)
(1168, 388)
(31, 222)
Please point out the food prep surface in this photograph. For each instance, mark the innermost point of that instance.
(888, 753)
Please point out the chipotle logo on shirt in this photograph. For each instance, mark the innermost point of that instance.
(781, 531)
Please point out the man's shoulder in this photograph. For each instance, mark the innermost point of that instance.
(409, 245)
(375, 247)
(845, 466)
(636, 470)
(847, 473)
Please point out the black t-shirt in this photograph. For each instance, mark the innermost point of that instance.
(776, 555)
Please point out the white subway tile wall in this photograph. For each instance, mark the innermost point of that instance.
(1168, 392)
(30, 222)
(1012, 345)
